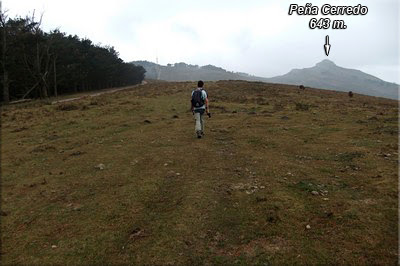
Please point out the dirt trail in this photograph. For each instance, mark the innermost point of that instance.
(97, 93)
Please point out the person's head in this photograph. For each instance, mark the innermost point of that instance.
(200, 84)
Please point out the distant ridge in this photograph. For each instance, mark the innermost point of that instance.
(327, 75)
(324, 75)
(186, 72)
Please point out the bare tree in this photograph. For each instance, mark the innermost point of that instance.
(55, 76)
(3, 23)
(39, 66)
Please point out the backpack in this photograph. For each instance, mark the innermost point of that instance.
(197, 99)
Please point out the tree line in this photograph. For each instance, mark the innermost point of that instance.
(39, 64)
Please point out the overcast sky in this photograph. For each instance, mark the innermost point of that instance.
(256, 37)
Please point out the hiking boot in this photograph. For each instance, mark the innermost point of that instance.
(198, 134)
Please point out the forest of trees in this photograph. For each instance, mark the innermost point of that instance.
(38, 64)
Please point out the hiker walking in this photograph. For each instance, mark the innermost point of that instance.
(199, 106)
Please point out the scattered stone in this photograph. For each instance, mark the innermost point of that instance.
(76, 153)
(136, 233)
(314, 192)
(53, 246)
(329, 214)
(134, 162)
(77, 208)
(261, 199)
(3, 213)
(284, 117)
(223, 130)
(19, 129)
(326, 199)
(234, 112)
(147, 121)
(166, 164)
(175, 116)
(178, 174)
(308, 227)
(100, 166)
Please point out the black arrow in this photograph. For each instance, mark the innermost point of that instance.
(327, 46)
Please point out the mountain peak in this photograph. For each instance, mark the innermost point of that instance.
(326, 63)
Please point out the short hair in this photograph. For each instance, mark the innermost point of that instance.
(200, 84)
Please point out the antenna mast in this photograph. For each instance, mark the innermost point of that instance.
(158, 69)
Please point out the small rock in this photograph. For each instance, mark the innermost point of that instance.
(326, 199)
(3, 213)
(175, 116)
(314, 192)
(262, 187)
(147, 121)
(178, 174)
(53, 246)
(308, 227)
(100, 166)
(284, 117)
(136, 233)
(166, 164)
(261, 199)
(77, 208)
(329, 214)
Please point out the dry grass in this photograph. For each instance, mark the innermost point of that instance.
(243, 194)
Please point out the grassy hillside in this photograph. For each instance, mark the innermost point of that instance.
(282, 176)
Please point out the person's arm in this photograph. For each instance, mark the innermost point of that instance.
(207, 109)
(191, 104)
